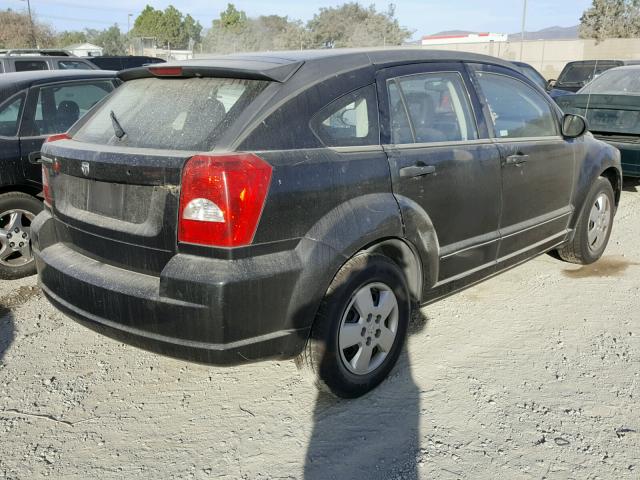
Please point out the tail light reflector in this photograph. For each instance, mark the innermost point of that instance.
(221, 199)
(46, 188)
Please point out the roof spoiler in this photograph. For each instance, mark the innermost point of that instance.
(272, 72)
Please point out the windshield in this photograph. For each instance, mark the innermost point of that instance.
(624, 81)
(176, 114)
(582, 73)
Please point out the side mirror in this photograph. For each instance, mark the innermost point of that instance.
(574, 126)
(551, 83)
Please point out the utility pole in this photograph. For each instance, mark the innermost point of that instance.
(34, 41)
(524, 21)
(129, 15)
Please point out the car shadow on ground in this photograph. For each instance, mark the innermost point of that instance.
(6, 330)
(376, 436)
(630, 184)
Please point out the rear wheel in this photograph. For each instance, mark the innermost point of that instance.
(360, 327)
(17, 211)
(594, 226)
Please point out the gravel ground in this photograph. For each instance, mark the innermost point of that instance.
(533, 374)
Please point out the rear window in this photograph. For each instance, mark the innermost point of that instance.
(582, 73)
(174, 114)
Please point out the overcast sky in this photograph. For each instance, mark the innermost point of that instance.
(421, 16)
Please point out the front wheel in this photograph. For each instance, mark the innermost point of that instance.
(17, 211)
(594, 226)
(360, 327)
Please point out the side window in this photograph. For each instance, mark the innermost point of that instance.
(430, 107)
(72, 65)
(60, 106)
(27, 65)
(517, 110)
(351, 120)
(10, 115)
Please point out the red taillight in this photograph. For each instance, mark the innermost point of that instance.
(166, 71)
(46, 188)
(55, 138)
(221, 199)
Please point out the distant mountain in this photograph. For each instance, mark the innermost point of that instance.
(451, 32)
(551, 33)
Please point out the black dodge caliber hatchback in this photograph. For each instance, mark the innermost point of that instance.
(301, 204)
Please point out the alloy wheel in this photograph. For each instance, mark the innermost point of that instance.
(15, 238)
(368, 328)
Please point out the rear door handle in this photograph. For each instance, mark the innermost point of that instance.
(417, 170)
(517, 159)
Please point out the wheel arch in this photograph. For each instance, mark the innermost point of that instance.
(615, 178)
(28, 189)
(405, 257)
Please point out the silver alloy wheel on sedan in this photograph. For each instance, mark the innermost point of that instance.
(368, 328)
(15, 238)
(599, 222)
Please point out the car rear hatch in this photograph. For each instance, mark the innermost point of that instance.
(116, 205)
(114, 186)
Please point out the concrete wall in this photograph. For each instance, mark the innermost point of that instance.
(550, 56)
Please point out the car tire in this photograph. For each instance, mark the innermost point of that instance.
(17, 210)
(594, 226)
(360, 327)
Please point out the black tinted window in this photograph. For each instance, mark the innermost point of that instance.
(27, 65)
(10, 113)
(172, 113)
(582, 73)
(60, 106)
(437, 105)
(72, 65)
(351, 120)
(517, 110)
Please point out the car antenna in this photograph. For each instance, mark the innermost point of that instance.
(117, 128)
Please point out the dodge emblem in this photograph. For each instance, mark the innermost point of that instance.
(85, 168)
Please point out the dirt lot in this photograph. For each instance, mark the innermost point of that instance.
(534, 374)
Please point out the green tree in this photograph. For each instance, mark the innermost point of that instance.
(232, 18)
(352, 25)
(15, 31)
(192, 29)
(168, 27)
(67, 38)
(111, 40)
(170, 31)
(147, 24)
(611, 19)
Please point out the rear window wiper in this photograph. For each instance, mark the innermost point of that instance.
(117, 128)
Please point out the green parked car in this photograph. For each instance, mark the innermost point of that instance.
(611, 104)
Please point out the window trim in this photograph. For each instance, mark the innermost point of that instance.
(373, 115)
(22, 92)
(468, 98)
(493, 131)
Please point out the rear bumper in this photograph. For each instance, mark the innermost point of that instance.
(199, 309)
